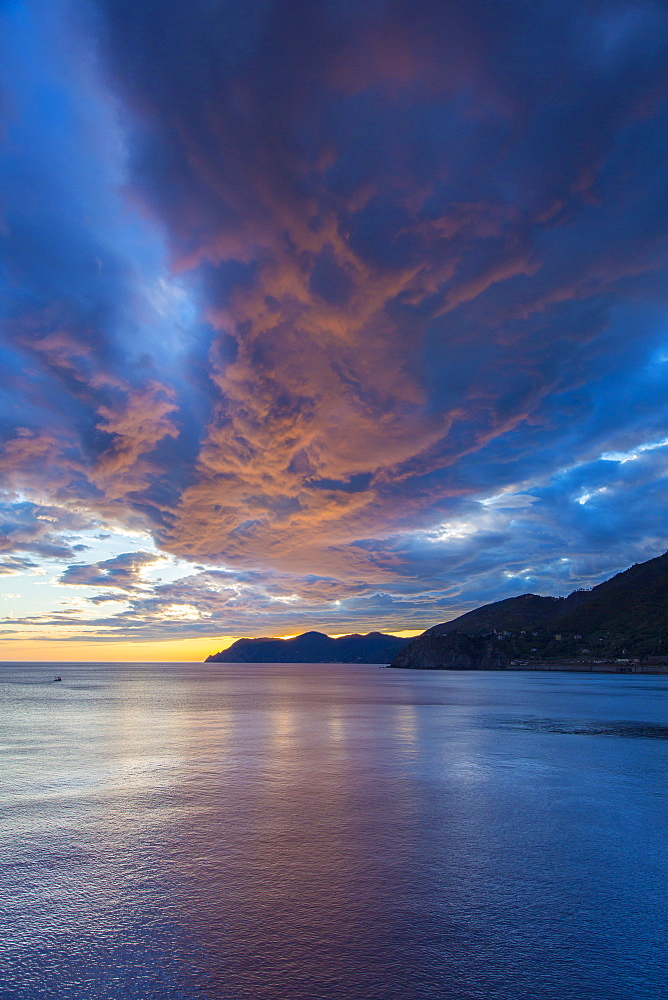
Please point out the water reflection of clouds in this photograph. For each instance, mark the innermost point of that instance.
(406, 727)
(336, 727)
(313, 825)
(466, 757)
(144, 744)
(281, 722)
(450, 734)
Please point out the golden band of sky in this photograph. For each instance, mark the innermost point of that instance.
(167, 651)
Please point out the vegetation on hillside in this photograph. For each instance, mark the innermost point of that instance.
(625, 616)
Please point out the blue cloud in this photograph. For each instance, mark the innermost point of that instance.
(296, 289)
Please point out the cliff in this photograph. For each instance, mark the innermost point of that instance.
(455, 651)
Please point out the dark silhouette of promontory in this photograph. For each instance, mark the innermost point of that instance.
(313, 647)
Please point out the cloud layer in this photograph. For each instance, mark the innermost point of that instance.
(357, 308)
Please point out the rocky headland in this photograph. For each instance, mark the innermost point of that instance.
(313, 647)
(455, 651)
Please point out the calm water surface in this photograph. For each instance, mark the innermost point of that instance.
(345, 832)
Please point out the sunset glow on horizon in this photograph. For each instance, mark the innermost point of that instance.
(160, 651)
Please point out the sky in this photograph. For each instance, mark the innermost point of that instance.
(324, 314)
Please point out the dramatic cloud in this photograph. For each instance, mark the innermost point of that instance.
(44, 531)
(358, 308)
(123, 572)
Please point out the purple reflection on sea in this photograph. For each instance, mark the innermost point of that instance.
(343, 832)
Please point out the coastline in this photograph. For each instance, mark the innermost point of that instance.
(562, 667)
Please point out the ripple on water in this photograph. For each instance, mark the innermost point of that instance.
(294, 833)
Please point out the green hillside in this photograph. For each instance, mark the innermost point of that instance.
(629, 609)
(627, 614)
(526, 612)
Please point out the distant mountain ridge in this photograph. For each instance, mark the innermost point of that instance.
(627, 614)
(313, 647)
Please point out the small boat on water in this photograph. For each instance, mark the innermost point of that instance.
(58, 678)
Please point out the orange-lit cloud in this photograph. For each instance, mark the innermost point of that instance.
(305, 290)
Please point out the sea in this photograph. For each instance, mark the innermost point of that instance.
(331, 832)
